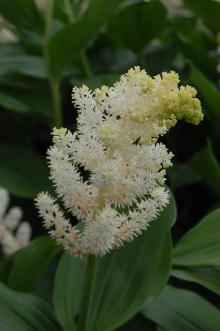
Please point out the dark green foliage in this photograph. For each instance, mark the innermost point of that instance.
(181, 310)
(141, 23)
(133, 275)
(19, 312)
(93, 42)
(22, 171)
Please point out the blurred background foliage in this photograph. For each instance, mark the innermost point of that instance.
(48, 46)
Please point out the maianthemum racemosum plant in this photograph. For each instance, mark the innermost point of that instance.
(116, 143)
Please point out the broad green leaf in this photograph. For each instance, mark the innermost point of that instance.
(67, 43)
(24, 15)
(39, 101)
(25, 312)
(30, 262)
(205, 165)
(182, 310)
(11, 103)
(23, 172)
(208, 91)
(13, 59)
(67, 290)
(45, 283)
(207, 277)
(209, 10)
(140, 273)
(24, 65)
(15, 81)
(141, 23)
(33, 95)
(200, 246)
(5, 267)
(24, 75)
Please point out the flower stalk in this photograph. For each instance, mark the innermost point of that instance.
(57, 106)
(83, 56)
(54, 83)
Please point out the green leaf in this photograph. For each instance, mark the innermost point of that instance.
(45, 283)
(140, 272)
(24, 15)
(141, 23)
(200, 246)
(207, 277)
(13, 59)
(208, 91)
(19, 312)
(11, 103)
(30, 263)
(68, 42)
(39, 101)
(29, 94)
(181, 310)
(209, 10)
(23, 65)
(5, 267)
(22, 171)
(24, 75)
(205, 164)
(67, 290)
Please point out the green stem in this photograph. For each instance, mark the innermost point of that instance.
(57, 105)
(83, 56)
(87, 291)
(54, 84)
(48, 21)
(86, 65)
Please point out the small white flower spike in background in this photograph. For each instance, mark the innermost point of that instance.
(116, 143)
(13, 234)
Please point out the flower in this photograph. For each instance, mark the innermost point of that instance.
(13, 235)
(116, 143)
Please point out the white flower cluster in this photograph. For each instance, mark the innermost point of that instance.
(13, 235)
(116, 147)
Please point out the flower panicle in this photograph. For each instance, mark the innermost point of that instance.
(116, 143)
